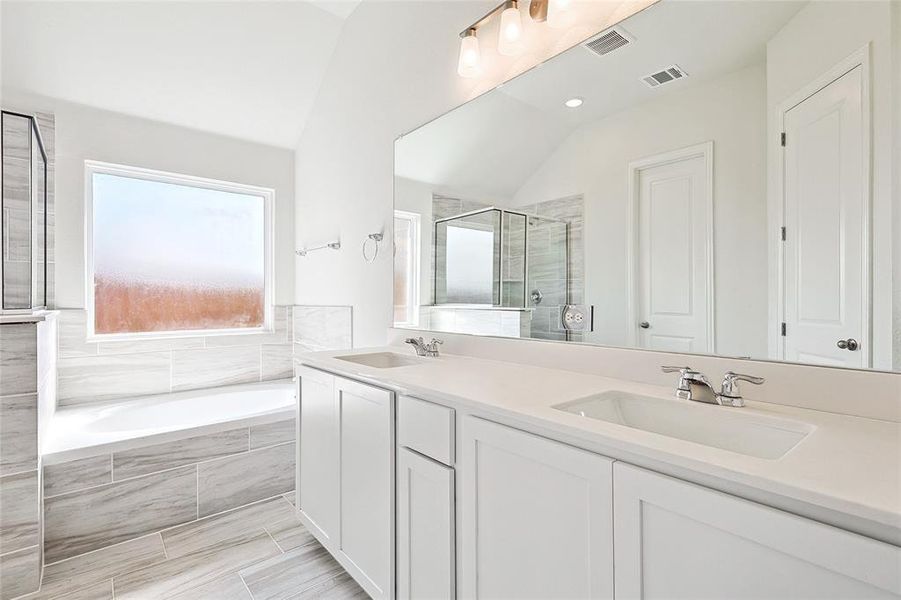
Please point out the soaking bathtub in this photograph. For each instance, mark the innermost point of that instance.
(115, 426)
(118, 471)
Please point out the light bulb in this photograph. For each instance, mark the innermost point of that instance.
(573, 102)
(470, 64)
(558, 13)
(509, 40)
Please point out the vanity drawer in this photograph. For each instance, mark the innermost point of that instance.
(427, 428)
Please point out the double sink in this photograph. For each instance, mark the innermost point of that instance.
(751, 434)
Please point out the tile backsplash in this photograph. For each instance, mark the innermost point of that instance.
(101, 371)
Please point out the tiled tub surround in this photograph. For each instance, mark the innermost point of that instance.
(256, 552)
(91, 502)
(100, 371)
(27, 381)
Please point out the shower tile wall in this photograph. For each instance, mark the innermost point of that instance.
(547, 272)
(26, 388)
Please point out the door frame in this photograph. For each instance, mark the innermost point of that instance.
(776, 214)
(703, 150)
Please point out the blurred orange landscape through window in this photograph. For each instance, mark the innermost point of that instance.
(172, 256)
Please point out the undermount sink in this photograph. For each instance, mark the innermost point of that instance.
(710, 425)
(382, 360)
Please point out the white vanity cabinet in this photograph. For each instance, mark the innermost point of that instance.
(536, 516)
(346, 474)
(674, 539)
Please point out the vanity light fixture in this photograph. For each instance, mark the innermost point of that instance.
(509, 40)
(573, 102)
(558, 14)
(470, 63)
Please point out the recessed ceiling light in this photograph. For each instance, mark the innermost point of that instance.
(573, 103)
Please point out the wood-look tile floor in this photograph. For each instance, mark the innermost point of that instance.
(257, 552)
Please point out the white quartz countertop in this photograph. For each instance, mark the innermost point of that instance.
(846, 472)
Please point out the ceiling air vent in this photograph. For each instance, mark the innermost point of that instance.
(608, 41)
(671, 73)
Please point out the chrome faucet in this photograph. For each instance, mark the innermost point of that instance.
(423, 349)
(694, 385)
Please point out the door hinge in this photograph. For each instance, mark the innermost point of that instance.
(782, 139)
(783, 234)
(783, 329)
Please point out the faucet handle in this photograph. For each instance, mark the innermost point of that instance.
(676, 369)
(730, 383)
(686, 374)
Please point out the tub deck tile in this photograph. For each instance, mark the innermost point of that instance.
(77, 474)
(271, 434)
(234, 481)
(90, 519)
(169, 455)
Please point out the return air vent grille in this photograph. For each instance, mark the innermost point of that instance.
(671, 73)
(608, 41)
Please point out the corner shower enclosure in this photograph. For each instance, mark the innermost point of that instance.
(23, 210)
(501, 258)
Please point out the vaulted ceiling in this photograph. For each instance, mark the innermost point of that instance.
(249, 70)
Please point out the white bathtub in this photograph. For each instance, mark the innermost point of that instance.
(82, 431)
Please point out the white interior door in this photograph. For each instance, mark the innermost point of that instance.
(825, 283)
(674, 246)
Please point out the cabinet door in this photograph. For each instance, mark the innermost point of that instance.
(425, 528)
(536, 518)
(678, 540)
(366, 433)
(317, 493)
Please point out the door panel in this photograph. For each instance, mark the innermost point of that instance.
(425, 528)
(825, 197)
(672, 256)
(318, 447)
(678, 540)
(536, 517)
(367, 483)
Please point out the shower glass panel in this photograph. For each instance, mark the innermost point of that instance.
(24, 214)
(468, 258)
(501, 258)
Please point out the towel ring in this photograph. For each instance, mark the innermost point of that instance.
(371, 246)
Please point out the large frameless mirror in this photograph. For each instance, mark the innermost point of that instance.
(712, 177)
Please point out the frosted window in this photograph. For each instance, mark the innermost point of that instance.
(175, 257)
(470, 265)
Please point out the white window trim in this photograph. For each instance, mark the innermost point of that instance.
(91, 167)
(415, 266)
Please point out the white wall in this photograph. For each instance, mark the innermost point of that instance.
(394, 69)
(815, 40)
(593, 161)
(84, 133)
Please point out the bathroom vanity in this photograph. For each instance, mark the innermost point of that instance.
(462, 477)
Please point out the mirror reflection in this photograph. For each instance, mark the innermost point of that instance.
(705, 177)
